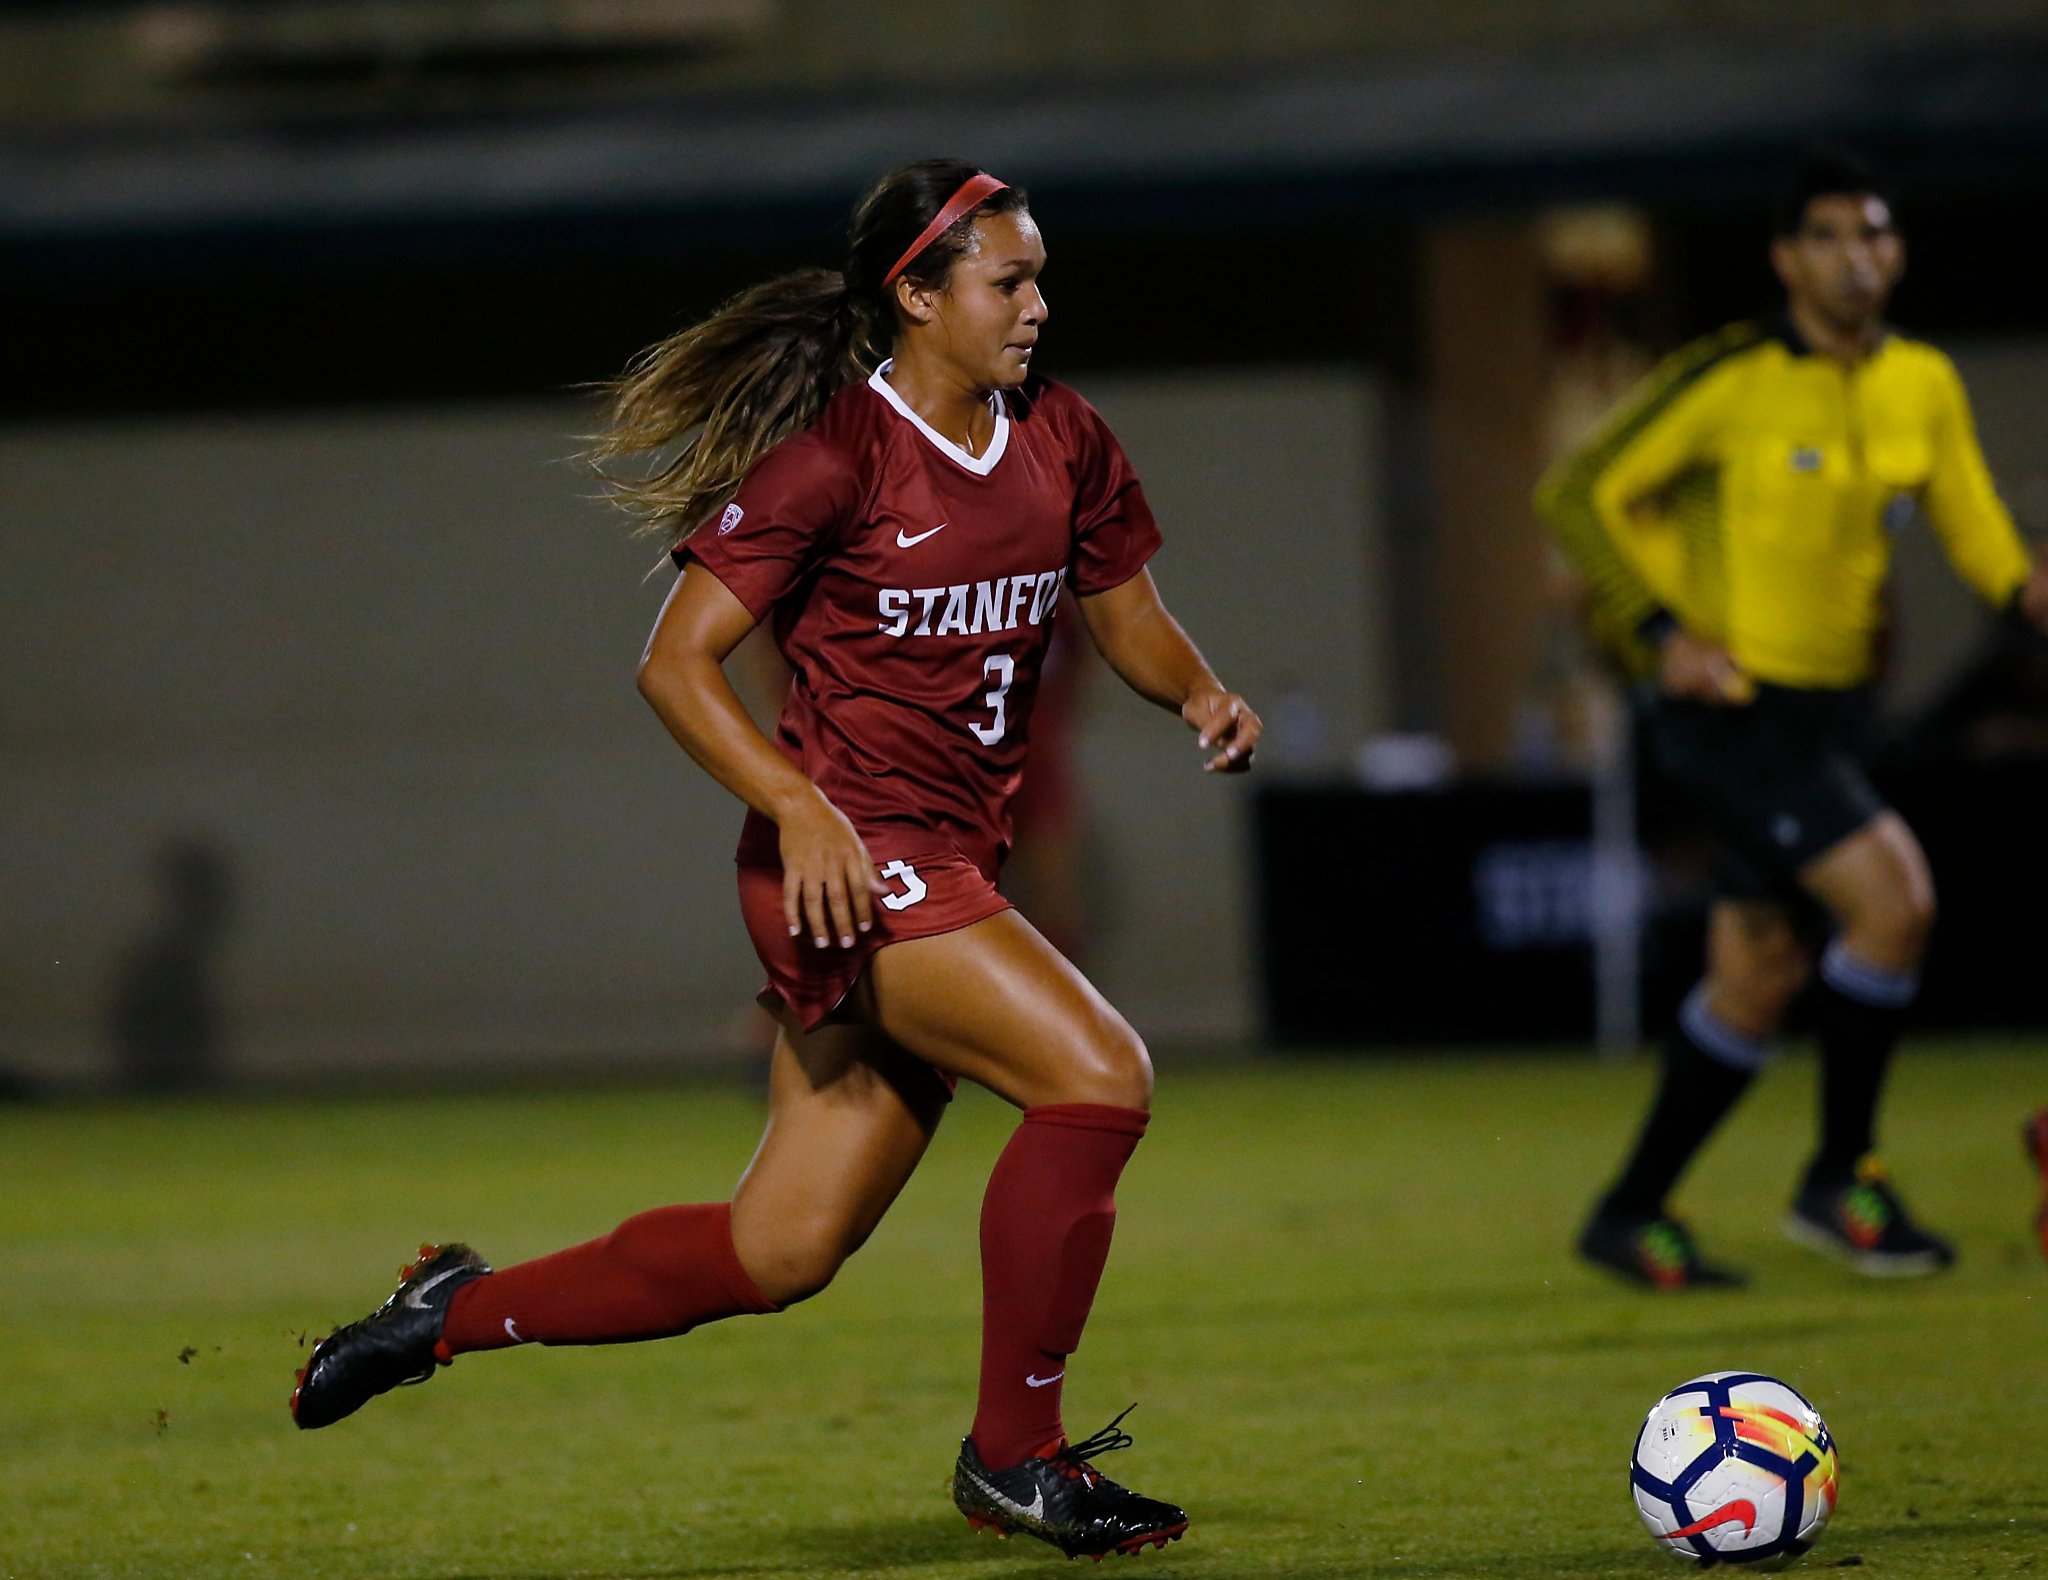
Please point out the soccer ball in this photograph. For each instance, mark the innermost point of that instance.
(1734, 1468)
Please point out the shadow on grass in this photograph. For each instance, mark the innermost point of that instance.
(1961, 1542)
(913, 1546)
(1588, 1564)
(1661, 1331)
(1902, 1536)
(843, 1547)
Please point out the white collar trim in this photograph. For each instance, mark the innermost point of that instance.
(980, 465)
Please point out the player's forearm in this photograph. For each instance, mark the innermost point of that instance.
(693, 699)
(1146, 646)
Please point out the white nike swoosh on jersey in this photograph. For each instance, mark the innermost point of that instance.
(1044, 1382)
(903, 542)
(1035, 1511)
(412, 1296)
(513, 1333)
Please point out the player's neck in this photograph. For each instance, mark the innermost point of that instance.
(1825, 338)
(949, 404)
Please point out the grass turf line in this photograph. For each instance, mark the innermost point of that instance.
(1340, 1290)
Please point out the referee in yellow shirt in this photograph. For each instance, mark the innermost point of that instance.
(1733, 521)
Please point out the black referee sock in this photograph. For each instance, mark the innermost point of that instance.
(1708, 1065)
(1859, 1008)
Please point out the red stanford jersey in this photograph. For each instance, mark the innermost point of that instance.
(912, 589)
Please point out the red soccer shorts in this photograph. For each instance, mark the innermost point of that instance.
(925, 895)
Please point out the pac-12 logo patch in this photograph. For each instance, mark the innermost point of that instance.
(730, 519)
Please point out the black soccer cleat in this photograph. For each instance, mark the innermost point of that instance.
(1656, 1252)
(1860, 1219)
(1064, 1500)
(392, 1346)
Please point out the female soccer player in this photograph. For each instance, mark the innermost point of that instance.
(909, 526)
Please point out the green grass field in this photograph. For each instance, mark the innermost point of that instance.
(1341, 1292)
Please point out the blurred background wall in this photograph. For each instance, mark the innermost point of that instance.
(382, 663)
(304, 296)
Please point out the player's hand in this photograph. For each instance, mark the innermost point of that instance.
(2033, 598)
(1701, 670)
(828, 880)
(1224, 720)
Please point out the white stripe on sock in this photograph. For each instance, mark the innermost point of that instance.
(1865, 983)
(1717, 1039)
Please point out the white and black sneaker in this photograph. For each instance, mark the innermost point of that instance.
(1065, 1500)
(391, 1347)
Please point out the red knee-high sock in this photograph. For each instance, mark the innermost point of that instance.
(658, 1274)
(1045, 1228)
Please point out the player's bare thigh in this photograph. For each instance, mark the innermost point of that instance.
(996, 1004)
(849, 1116)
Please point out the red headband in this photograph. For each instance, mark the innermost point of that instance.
(972, 191)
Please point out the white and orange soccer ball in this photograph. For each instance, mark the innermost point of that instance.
(1734, 1468)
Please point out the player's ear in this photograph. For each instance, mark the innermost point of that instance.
(1784, 260)
(915, 300)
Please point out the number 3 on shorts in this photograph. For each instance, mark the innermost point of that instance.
(913, 886)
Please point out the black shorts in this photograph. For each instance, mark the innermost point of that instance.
(1777, 781)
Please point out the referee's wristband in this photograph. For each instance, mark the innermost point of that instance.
(1657, 625)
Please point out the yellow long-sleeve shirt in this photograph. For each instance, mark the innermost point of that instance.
(1751, 489)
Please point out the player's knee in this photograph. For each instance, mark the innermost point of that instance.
(1136, 1068)
(1920, 911)
(1778, 973)
(1754, 991)
(803, 1259)
(1113, 1068)
(1887, 916)
(1894, 935)
(1752, 1005)
(1911, 929)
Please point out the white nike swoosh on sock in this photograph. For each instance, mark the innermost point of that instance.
(1044, 1382)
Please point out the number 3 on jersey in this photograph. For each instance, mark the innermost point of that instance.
(914, 887)
(1004, 669)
